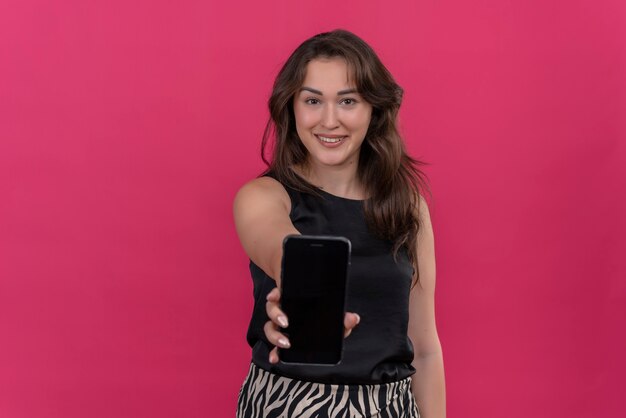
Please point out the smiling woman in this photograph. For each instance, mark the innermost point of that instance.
(339, 167)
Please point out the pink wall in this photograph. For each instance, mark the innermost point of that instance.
(127, 127)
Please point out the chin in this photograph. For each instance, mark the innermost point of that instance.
(332, 162)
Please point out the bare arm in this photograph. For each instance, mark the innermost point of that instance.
(429, 380)
(261, 211)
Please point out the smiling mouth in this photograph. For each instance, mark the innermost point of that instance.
(330, 140)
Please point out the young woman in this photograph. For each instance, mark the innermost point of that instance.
(339, 167)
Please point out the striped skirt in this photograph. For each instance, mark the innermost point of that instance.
(268, 395)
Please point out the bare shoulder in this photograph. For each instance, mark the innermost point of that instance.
(425, 249)
(262, 192)
(423, 214)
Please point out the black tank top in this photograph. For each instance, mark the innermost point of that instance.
(378, 350)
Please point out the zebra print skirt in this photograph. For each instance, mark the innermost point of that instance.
(268, 395)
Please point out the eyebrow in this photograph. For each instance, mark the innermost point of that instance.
(339, 93)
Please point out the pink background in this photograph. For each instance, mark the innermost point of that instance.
(127, 127)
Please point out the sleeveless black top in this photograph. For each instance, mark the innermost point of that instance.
(378, 350)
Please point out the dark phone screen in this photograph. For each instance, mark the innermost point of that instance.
(313, 295)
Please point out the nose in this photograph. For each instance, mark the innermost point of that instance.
(329, 117)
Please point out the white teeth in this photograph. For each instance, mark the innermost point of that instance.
(330, 140)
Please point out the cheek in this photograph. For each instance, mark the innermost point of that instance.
(359, 120)
(304, 117)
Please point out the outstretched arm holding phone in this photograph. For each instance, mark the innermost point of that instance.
(261, 211)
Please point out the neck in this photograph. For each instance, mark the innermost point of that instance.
(338, 180)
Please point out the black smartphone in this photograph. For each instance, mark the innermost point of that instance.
(313, 293)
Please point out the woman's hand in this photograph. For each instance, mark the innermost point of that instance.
(279, 319)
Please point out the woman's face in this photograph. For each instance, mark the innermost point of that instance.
(331, 117)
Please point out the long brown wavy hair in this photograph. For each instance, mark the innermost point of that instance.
(392, 179)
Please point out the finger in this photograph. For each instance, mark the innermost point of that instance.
(350, 321)
(274, 336)
(274, 356)
(274, 312)
(274, 295)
